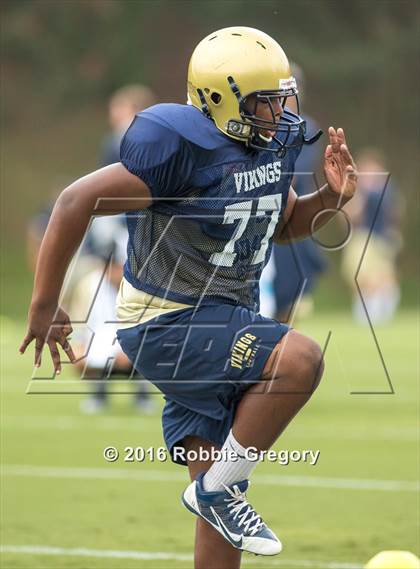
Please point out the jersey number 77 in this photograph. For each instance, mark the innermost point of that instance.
(241, 211)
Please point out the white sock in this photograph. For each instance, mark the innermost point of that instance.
(226, 471)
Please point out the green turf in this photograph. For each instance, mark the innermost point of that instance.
(368, 436)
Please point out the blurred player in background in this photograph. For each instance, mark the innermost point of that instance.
(91, 285)
(375, 216)
(123, 106)
(292, 273)
(93, 302)
(107, 241)
(35, 231)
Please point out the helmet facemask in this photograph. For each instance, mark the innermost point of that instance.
(289, 127)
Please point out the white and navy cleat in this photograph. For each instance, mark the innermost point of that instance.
(230, 514)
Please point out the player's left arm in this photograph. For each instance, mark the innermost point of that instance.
(300, 218)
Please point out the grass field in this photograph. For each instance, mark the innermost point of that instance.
(63, 506)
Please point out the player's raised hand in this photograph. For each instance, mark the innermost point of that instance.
(49, 326)
(339, 167)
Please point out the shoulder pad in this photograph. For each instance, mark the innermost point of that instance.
(188, 122)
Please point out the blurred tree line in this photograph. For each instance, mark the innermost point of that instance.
(62, 59)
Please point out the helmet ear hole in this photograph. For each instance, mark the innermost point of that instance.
(216, 97)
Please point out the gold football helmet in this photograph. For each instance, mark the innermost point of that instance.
(235, 66)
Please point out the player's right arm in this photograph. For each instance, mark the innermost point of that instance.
(110, 190)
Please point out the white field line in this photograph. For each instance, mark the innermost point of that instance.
(163, 556)
(138, 423)
(112, 473)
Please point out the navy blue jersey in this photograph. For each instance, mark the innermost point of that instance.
(207, 235)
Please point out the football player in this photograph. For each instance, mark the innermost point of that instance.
(206, 188)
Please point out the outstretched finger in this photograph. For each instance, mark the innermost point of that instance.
(333, 139)
(328, 151)
(26, 341)
(39, 346)
(55, 356)
(65, 344)
(341, 137)
(348, 158)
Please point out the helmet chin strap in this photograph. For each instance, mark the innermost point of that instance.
(313, 138)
